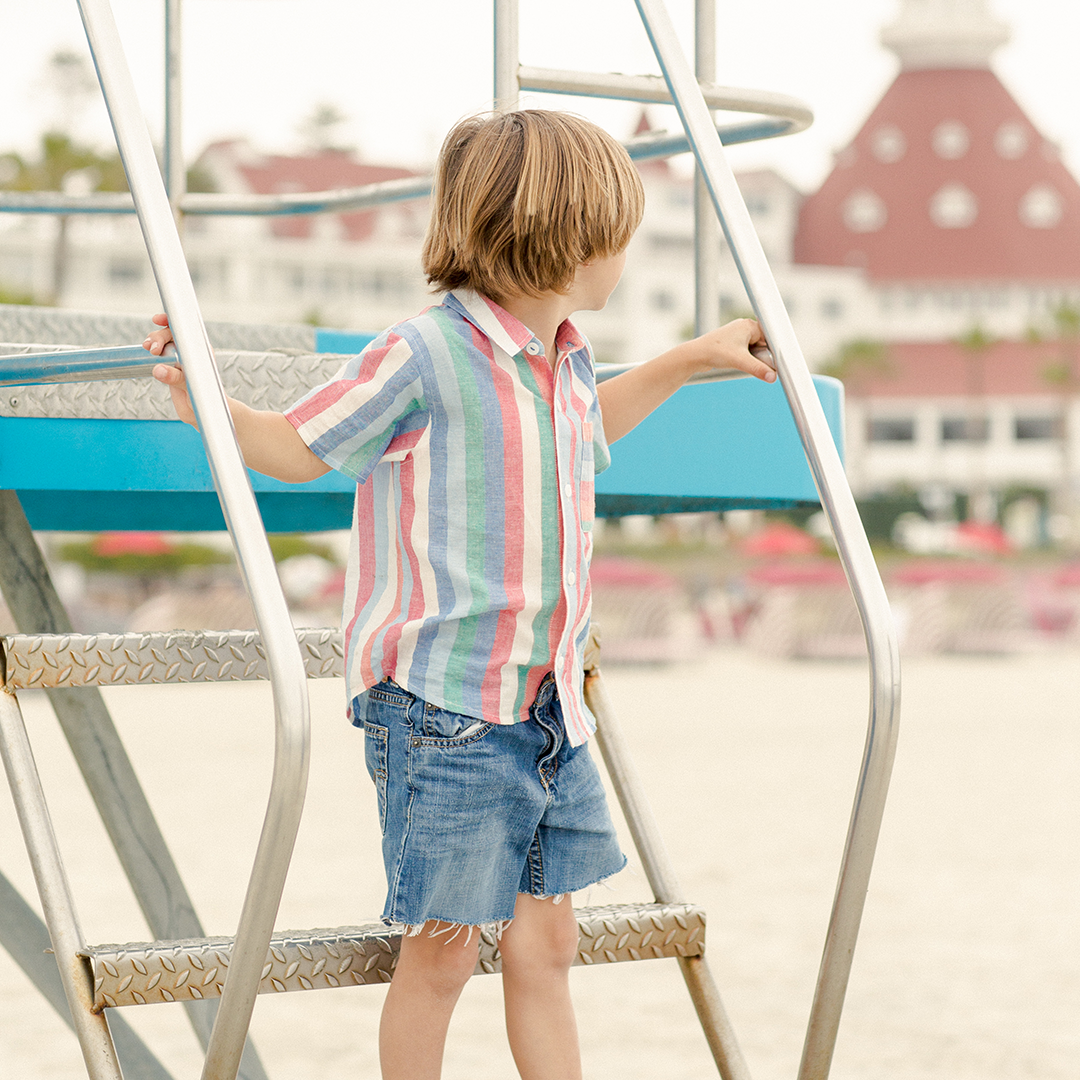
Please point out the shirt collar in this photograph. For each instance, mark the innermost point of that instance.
(510, 334)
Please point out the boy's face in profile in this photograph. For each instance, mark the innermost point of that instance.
(595, 281)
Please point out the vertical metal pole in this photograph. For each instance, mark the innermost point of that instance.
(506, 55)
(67, 940)
(287, 676)
(851, 543)
(661, 876)
(706, 227)
(175, 177)
(95, 743)
(26, 938)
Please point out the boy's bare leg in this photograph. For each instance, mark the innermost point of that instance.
(538, 948)
(430, 975)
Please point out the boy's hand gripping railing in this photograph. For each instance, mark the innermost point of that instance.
(253, 552)
(851, 541)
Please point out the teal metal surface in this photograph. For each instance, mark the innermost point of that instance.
(714, 446)
(103, 475)
(349, 342)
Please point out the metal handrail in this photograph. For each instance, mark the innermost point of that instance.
(647, 147)
(292, 722)
(851, 542)
(652, 89)
(73, 365)
(76, 365)
(609, 371)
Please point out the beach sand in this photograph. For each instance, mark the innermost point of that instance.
(968, 966)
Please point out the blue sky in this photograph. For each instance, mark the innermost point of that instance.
(404, 72)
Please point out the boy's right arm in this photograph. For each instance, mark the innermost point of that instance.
(269, 443)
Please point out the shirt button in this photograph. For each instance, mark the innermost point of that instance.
(533, 348)
(571, 578)
(568, 490)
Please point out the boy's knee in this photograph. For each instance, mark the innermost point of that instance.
(543, 938)
(444, 962)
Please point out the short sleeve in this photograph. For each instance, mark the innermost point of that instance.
(377, 397)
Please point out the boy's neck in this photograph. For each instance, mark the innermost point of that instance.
(543, 315)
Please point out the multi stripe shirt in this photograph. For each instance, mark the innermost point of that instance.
(468, 576)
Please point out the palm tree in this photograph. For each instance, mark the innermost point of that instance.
(62, 162)
(856, 359)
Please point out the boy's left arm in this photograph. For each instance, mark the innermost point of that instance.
(628, 398)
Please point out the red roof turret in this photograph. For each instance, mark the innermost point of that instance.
(948, 179)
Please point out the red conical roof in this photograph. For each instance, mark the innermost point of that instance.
(947, 180)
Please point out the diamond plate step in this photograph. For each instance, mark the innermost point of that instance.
(144, 974)
(50, 660)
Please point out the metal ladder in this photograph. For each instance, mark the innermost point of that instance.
(238, 969)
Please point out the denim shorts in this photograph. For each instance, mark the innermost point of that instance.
(474, 813)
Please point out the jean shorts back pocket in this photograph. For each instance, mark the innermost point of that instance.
(375, 743)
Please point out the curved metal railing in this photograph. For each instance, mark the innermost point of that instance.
(851, 543)
(779, 115)
(287, 677)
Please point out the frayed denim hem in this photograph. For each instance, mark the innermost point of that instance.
(495, 929)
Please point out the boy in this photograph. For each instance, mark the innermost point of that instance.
(473, 432)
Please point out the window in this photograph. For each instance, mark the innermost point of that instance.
(891, 429)
(953, 207)
(1041, 207)
(864, 211)
(965, 429)
(888, 144)
(1035, 427)
(950, 140)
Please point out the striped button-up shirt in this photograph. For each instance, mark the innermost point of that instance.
(468, 576)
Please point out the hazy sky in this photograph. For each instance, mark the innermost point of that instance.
(404, 71)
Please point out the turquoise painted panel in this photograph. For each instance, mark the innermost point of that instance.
(91, 475)
(716, 446)
(349, 342)
(178, 511)
(712, 446)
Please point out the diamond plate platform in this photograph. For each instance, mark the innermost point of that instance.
(38, 661)
(145, 974)
(264, 380)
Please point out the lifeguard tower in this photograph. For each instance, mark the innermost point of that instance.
(756, 446)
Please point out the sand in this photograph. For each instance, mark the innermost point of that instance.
(968, 967)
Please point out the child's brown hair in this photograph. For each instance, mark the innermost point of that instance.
(522, 199)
